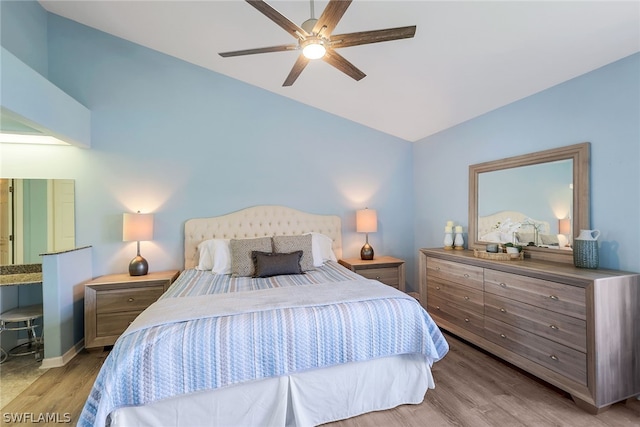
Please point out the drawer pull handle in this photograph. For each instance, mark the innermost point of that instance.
(437, 288)
(504, 285)
(502, 310)
(130, 300)
(554, 327)
(553, 297)
(466, 275)
(377, 277)
(466, 297)
(437, 307)
(554, 357)
(437, 268)
(503, 336)
(466, 319)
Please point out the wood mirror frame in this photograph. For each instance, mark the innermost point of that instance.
(579, 153)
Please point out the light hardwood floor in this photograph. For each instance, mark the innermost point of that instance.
(472, 389)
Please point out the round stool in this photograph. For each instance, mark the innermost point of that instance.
(26, 315)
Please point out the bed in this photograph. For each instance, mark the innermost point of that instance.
(222, 347)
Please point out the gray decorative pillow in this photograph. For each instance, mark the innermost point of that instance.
(525, 238)
(241, 262)
(274, 264)
(549, 239)
(288, 244)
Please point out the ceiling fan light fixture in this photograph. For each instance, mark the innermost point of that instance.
(313, 48)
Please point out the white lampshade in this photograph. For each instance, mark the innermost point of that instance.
(137, 227)
(564, 226)
(366, 221)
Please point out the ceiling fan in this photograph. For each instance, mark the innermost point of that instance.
(316, 41)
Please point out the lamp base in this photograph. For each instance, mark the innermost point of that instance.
(138, 266)
(366, 253)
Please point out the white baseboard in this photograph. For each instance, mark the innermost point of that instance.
(56, 362)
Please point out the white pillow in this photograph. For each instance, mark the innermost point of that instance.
(215, 255)
(321, 249)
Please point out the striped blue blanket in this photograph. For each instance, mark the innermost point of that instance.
(209, 339)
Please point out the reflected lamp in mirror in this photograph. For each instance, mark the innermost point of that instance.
(366, 222)
(137, 227)
(564, 228)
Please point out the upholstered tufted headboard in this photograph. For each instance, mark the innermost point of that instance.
(488, 224)
(258, 221)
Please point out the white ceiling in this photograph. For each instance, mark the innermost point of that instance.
(467, 57)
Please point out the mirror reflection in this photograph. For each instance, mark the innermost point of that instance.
(530, 205)
(36, 216)
(531, 199)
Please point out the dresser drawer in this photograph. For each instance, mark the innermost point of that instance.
(557, 327)
(466, 297)
(133, 299)
(463, 274)
(387, 275)
(110, 324)
(452, 312)
(557, 357)
(558, 297)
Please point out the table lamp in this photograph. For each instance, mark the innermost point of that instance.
(137, 227)
(366, 222)
(564, 227)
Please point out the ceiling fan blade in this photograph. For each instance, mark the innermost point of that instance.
(296, 70)
(280, 48)
(331, 16)
(338, 61)
(278, 18)
(375, 36)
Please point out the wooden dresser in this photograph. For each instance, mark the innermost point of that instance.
(577, 329)
(113, 301)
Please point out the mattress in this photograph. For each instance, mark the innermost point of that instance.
(213, 334)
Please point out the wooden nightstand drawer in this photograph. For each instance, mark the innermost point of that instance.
(386, 269)
(388, 275)
(114, 323)
(113, 301)
(117, 300)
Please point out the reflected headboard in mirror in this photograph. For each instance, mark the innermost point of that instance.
(541, 189)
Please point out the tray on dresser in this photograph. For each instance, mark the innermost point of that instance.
(500, 256)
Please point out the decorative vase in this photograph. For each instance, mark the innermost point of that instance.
(585, 249)
(458, 242)
(448, 240)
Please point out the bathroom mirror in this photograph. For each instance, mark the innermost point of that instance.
(36, 216)
(538, 200)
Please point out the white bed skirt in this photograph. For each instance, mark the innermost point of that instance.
(303, 399)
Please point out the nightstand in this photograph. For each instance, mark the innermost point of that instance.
(113, 301)
(388, 270)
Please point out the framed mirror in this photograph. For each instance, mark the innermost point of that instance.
(539, 201)
(36, 216)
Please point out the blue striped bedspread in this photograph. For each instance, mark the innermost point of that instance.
(190, 354)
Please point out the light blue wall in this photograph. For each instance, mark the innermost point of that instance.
(602, 107)
(181, 141)
(23, 31)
